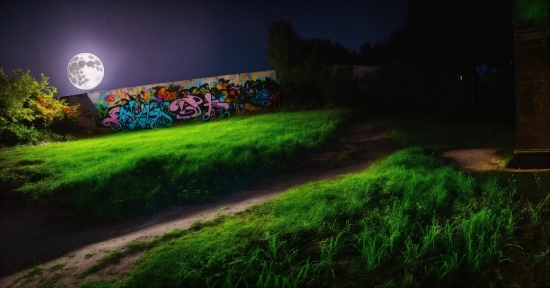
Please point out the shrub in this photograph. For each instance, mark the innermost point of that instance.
(27, 104)
(12, 134)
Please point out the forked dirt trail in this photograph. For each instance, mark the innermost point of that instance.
(35, 236)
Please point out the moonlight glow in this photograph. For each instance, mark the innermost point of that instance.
(85, 71)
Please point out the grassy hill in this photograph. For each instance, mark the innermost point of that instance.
(124, 174)
(412, 219)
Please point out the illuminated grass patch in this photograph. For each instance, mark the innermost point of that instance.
(127, 173)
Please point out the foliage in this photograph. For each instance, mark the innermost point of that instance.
(309, 74)
(17, 96)
(332, 53)
(283, 48)
(22, 97)
(27, 104)
(376, 55)
(439, 43)
(13, 133)
(314, 84)
(532, 10)
(283, 45)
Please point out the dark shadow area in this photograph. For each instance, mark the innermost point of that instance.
(530, 160)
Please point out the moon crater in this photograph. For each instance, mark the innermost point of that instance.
(85, 71)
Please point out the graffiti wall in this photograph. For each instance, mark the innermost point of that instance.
(163, 104)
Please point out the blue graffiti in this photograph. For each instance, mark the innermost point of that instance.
(138, 114)
(176, 103)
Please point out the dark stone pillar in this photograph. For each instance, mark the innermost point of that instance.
(532, 62)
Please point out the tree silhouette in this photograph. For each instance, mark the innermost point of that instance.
(283, 45)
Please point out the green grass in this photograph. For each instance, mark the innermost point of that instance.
(112, 258)
(128, 173)
(57, 266)
(410, 218)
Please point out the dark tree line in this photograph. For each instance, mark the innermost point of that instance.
(450, 58)
(287, 49)
(453, 59)
(306, 68)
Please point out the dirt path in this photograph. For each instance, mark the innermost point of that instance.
(32, 236)
(475, 159)
(482, 160)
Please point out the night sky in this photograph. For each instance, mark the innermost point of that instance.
(149, 42)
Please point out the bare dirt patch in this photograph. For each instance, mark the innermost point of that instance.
(475, 159)
(482, 160)
(61, 248)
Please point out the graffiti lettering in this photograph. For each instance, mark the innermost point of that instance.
(186, 107)
(166, 95)
(205, 99)
(136, 114)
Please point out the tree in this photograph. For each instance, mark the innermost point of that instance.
(283, 45)
(283, 48)
(366, 53)
(435, 55)
(308, 74)
(26, 104)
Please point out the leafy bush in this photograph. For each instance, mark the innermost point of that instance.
(316, 83)
(27, 104)
(13, 133)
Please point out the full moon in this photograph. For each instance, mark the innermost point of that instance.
(85, 71)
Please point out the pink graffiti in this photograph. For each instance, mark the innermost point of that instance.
(186, 107)
(212, 106)
(111, 119)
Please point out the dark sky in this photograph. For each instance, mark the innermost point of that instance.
(149, 42)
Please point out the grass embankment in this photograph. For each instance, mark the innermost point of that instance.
(409, 220)
(128, 173)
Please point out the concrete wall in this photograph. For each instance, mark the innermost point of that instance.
(164, 104)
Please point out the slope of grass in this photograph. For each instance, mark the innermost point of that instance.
(409, 220)
(128, 173)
